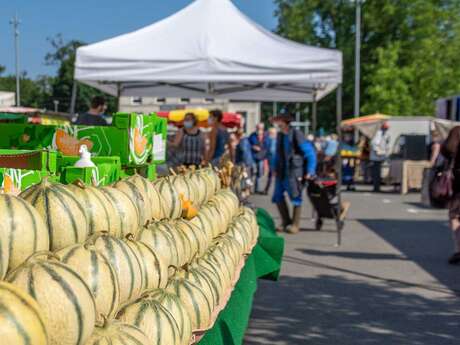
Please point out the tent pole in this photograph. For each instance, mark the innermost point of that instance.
(339, 164)
(314, 110)
(73, 98)
(118, 96)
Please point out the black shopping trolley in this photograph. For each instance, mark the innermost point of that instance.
(323, 196)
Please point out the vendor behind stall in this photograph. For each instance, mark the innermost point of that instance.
(94, 116)
(380, 150)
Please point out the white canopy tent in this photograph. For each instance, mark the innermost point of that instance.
(209, 50)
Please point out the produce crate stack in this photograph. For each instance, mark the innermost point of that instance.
(133, 142)
(136, 262)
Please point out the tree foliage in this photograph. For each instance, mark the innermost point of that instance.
(63, 56)
(44, 90)
(410, 49)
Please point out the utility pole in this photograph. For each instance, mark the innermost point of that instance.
(15, 22)
(357, 109)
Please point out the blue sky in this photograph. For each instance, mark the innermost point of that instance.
(90, 21)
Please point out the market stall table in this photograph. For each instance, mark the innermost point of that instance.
(407, 173)
(264, 262)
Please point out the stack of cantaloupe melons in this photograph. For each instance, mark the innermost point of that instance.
(122, 264)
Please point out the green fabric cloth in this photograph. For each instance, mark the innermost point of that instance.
(264, 262)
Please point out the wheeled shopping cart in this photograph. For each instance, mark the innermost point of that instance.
(323, 196)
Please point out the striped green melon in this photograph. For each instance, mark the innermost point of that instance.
(125, 263)
(217, 256)
(159, 238)
(139, 199)
(201, 187)
(172, 202)
(206, 280)
(205, 224)
(210, 185)
(68, 306)
(195, 236)
(173, 304)
(213, 177)
(23, 229)
(185, 248)
(250, 216)
(153, 267)
(99, 208)
(240, 230)
(198, 305)
(4, 250)
(126, 210)
(181, 248)
(114, 332)
(218, 223)
(153, 319)
(96, 271)
(62, 210)
(218, 268)
(154, 200)
(186, 187)
(21, 319)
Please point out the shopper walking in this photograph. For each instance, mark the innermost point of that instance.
(271, 154)
(219, 138)
(191, 142)
(380, 150)
(436, 165)
(450, 150)
(295, 163)
(259, 144)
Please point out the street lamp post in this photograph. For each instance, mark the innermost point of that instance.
(15, 22)
(357, 109)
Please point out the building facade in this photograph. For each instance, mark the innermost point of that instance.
(7, 99)
(251, 111)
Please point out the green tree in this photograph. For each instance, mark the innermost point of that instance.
(410, 49)
(31, 93)
(63, 56)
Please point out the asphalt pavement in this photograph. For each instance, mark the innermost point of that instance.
(389, 282)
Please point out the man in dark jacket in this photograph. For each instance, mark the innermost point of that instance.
(94, 116)
(295, 163)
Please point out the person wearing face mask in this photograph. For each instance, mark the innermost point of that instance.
(219, 138)
(295, 163)
(190, 140)
(94, 116)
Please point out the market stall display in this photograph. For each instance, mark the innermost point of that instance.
(104, 273)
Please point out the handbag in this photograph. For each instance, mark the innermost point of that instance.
(442, 185)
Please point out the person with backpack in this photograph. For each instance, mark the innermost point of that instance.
(450, 150)
(295, 163)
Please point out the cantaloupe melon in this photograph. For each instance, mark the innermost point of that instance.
(153, 319)
(68, 306)
(21, 318)
(114, 332)
(125, 263)
(99, 208)
(23, 229)
(173, 304)
(97, 272)
(62, 210)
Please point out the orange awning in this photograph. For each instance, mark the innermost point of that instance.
(363, 119)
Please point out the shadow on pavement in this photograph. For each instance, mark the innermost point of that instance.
(353, 255)
(330, 309)
(427, 243)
